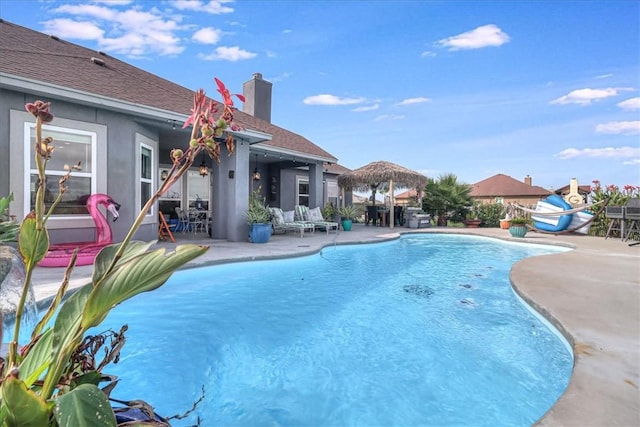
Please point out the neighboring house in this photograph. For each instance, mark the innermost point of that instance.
(504, 189)
(122, 122)
(407, 198)
(583, 190)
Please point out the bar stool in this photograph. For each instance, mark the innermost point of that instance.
(616, 216)
(632, 218)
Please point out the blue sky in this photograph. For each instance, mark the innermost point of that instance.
(549, 89)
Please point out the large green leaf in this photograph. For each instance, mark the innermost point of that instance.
(37, 360)
(85, 405)
(33, 244)
(66, 331)
(24, 407)
(139, 274)
(106, 255)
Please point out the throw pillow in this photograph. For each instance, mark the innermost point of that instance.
(288, 216)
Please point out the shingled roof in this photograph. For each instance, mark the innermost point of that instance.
(501, 185)
(33, 55)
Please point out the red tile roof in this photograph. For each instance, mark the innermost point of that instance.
(505, 186)
(33, 55)
(407, 194)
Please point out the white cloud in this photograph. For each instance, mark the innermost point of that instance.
(366, 108)
(207, 35)
(632, 162)
(99, 12)
(630, 104)
(484, 36)
(68, 29)
(388, 117)
(409, 101)
(280, 78)
(133, 32)
(587, 95)
(622, 127)
(427, 53)
(211, 7)
(632, 153)
(604, 76)
(326, 99)
(113, 2)
(226, 53)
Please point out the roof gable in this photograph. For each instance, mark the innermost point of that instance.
(501, 185)
(33, 55)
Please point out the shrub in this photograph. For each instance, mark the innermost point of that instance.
(616, 198)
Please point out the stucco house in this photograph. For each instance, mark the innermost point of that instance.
(122, 123)
(504, 189)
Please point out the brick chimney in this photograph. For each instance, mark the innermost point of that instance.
(257, 93)
(527, 180)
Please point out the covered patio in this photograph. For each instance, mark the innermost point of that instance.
(381, 174)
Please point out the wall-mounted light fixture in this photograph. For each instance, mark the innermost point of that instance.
(204, 170)
(164, 174)
(256, 172)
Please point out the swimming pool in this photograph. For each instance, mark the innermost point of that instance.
(423, 330)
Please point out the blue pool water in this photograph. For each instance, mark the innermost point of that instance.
(423, 330)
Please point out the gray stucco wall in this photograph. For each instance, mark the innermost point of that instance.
(117, 160)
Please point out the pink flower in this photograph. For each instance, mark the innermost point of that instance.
(40, 109)
(225, 93)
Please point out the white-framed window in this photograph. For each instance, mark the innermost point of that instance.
(198, 189)
(302, 191)
(71, 146)
(146, 171)
(146, 175)
(333, 192)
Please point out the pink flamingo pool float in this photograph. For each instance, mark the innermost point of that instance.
(60, 254)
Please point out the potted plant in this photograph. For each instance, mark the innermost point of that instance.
(518, 226)
(348, 213)
(258, 218)
(471, 218)
(330, 213)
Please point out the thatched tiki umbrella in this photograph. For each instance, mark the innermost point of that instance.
(370, 176)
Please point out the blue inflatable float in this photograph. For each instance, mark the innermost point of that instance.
(563, 221)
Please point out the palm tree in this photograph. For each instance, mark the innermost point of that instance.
(446, 198)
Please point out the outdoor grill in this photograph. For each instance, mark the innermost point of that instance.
(415, 218)
(624, 219)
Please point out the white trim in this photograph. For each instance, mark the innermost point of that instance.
(28, 126)
(298, 155)
(299, 179)
(143, 141)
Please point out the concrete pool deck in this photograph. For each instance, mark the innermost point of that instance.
(591, 294)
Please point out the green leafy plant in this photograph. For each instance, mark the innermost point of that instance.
(349, 212)
(42, 384)
(8, 226)
(258, 211)
(446, 198)
(328, 211)
(490, 213)
(519, 220)
(616, 196)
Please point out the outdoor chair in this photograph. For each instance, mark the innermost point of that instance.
(372, 214)
(303, 213)
(284, 221)
(398, 218)
(183, 220)
(197, 221)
